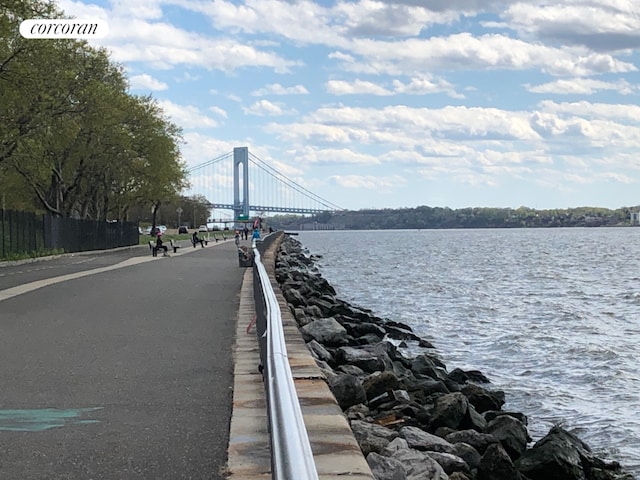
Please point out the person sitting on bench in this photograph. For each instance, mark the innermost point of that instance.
(159, 244)
(195, 240)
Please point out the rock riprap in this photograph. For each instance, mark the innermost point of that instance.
(414, 419)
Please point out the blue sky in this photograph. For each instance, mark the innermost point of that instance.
(398, 103)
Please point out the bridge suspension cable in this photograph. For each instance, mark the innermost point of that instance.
(210, 162)
(280, 177)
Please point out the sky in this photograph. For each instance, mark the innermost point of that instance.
(370, 104)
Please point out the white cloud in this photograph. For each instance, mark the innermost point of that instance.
(357, 86)
(219, 112)
(598, 24)
(464, 51)
(277, 89)
(146, 82)
(583, 86)
(266, 108)
(334, 156)
(188, 116)
(379, 184)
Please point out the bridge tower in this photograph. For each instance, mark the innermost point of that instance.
(241, 206)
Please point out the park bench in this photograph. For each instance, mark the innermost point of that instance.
(154, 248)
(203, 241)
(174, 245)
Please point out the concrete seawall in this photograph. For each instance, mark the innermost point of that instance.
(336, 453)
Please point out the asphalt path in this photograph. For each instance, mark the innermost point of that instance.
(123, 374)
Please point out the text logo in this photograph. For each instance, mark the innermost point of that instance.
(63, 28)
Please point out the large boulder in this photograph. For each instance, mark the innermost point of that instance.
(370, 358)
(511, 433)
(450, 463)
(347, 389)
(469, 454)
(326, 331)
(561, 455)
(430, 366)
(497, 465)
(385, 468)
(420, 440)
(449, 410)
(482, 399)
(419, 465)
(479, 441)
(319, 352)
(294, 297)
(378, 383)
(463, 376)
(372, 437)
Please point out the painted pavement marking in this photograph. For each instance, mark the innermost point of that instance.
(37, 420)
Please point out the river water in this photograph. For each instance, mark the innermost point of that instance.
(551, 316)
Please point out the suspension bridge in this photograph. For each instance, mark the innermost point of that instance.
(242, 183)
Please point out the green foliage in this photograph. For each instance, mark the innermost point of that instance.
(73, 142)
(437, 217)
(33, 254)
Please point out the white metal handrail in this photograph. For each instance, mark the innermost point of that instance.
(291, 455)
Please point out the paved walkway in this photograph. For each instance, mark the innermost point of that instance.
(122, 373)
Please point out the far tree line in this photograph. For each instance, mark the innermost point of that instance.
(424, 217)
(73, 141)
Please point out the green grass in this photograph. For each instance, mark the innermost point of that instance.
(144, 239)
(12, 257)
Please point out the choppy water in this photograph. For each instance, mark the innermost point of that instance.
(551, 316)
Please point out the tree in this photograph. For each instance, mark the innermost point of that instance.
(69, 131)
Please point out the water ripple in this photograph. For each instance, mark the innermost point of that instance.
(552, 316)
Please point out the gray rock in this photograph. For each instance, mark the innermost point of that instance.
(475, 420)
(479, 441)
(326, 306)
(313, 311)
(496, 465)
(428, 365)
(294, 297)
(449, 410)
(469, 454)
(378, 383)
(347, 389)
(395, 444)
(419, 466)
(385, 468)
(326, 331)
(298, 313)
(511, 433)
(482, 399)
(449, 462)
(368, 358)
(319, 352)
(461, 376)
(371, 437)
(562, 455)
(351, 370)
(420, 440)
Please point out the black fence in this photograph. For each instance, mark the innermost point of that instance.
(20, 232)
(26, 233)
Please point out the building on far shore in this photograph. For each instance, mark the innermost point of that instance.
(635, 218)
